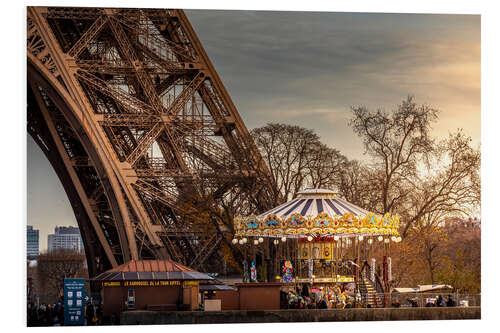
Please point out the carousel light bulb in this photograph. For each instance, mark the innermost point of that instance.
(386, 240)
(393, 238)
(309, 238)
(245, 240)
(370, 241)
(399, 239)
(336, 238)
(235, 241)
(256, 242)
(361, 238)
(283, 239)
(261, 240)
(241, 242)
(380, 238)
(276, 242)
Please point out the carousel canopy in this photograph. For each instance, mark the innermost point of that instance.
(312, 203)
(317, 212)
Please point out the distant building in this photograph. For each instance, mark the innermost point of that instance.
(454, 222)
(68, 238)
(32, 248)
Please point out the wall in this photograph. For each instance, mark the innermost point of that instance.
(229, 299)
(259, 296)
(158, 318)
(114, 297)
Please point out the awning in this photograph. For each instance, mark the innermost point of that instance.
(151, 270)
(423, 288)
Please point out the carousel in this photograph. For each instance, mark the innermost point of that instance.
(321, 240)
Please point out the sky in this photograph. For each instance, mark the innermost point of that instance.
(308, 69)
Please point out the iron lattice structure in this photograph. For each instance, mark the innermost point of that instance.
(145, 139)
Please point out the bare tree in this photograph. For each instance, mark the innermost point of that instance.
(297, 159)
(53, 268)
(412, 174)
(450, 186)
(397, 141)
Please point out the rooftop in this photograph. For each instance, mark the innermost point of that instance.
(135, 270)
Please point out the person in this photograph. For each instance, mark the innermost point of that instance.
(89, 313)
(413, 302)
(440, 301)
(396, 304)
(179, 304)
(50, 315)
(99, 314)
(322, 304)
(450, 302)
(305, 291)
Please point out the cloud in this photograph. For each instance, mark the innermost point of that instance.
(304, 66)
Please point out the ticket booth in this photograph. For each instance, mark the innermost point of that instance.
(161, 285)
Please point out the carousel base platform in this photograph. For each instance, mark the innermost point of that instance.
(276, 316)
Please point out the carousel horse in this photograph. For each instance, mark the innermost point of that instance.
(287, 271)
(341, 298)
(253, 272)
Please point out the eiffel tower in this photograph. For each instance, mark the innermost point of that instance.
(151, 151)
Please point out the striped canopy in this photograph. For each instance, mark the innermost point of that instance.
(317, 212)
(312, 203)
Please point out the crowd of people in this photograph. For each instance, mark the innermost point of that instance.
(46, 314)
(322, 298)
(440, 302)
(53, 314)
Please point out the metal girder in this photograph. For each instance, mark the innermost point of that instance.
(161, 195)
(167, 83)
(149, 81)
(186, 94)
(122, 67)
(88, 36)
(152, 40)
(76, 181)
(154, 173)
(146, 142)
(207, 250)
(129, 102)
(131, 56)
(81, 13)
(129, 119)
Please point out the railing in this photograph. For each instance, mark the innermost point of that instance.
(429, 299)
(395, 301)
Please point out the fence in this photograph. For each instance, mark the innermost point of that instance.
(422, 299)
